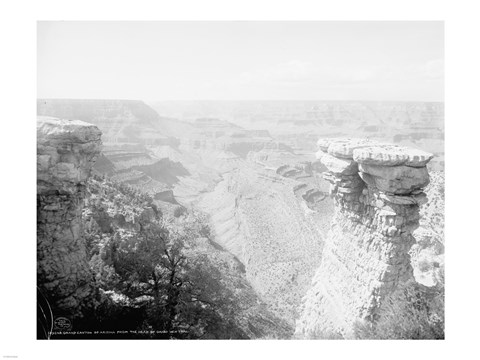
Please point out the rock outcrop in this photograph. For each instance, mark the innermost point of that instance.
(428, 253)
(66, 152)
(377, 190)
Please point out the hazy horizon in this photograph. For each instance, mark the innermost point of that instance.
(241, 61)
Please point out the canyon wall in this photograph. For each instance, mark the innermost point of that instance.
(270, 212)
(377, 191)
(66, 152)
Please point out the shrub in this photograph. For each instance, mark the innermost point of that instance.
(412, 312)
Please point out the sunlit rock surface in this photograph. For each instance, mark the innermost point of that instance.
(366, 255)
(66, 152)
(428, 253)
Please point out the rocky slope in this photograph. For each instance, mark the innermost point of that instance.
(274, 222)
(377, 190)
(66, 152)
(81, 221)
(114, 214)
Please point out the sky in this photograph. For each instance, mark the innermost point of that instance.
(156, 61)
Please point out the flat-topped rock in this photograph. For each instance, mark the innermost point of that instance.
(66, 152)
(391, 155)
(344, 147)
(372, 152)
(70, 131)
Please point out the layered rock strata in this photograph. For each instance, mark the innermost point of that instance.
(264, 220)
(66, 152)
(377, 190)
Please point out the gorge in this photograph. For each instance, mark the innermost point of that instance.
(316, 243)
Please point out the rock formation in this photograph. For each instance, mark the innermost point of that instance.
(66, 152)
(377, 191)
(428, 252)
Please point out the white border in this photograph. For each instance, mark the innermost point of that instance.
(18, 256)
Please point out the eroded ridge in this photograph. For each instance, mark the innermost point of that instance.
(66, 152)
(377, 190)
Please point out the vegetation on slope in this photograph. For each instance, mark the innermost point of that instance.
(162, 277)
(421, 316)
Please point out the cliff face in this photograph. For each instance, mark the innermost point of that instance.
(428, 252)
(66, 152)
(377, 191)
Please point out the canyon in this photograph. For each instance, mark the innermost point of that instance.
(309, 224)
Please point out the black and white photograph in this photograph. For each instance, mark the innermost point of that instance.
(240, 180)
